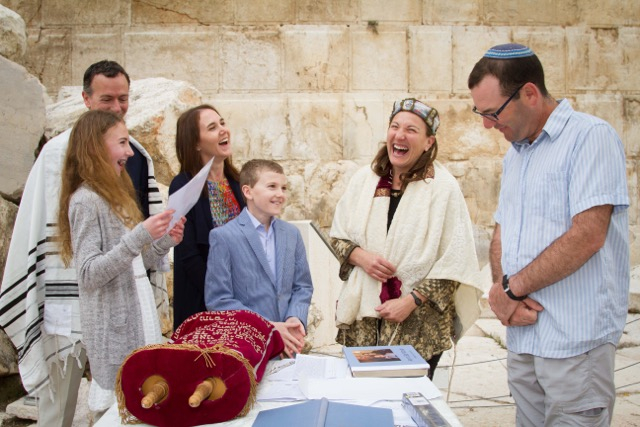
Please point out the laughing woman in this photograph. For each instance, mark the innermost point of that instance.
(404, 236)
(102, 229)
(200, 135)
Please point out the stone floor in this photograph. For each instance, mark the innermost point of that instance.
(473, 379)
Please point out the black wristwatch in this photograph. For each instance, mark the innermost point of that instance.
(416, 299)
(505, 286)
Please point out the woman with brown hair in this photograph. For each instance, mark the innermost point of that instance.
(404, 236)
(102, 230)
(200, 135)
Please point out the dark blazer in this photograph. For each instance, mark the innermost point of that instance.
(190, 256)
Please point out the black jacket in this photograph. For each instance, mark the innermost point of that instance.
(190, 256)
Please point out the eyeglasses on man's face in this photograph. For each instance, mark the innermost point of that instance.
(494, 116)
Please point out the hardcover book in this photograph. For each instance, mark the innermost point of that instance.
(385, 361)
(325, 413)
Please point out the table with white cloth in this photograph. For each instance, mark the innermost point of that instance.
(340, 386)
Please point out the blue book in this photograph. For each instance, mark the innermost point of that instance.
(385, 361)
(325, 413)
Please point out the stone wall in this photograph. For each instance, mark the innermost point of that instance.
(310, 83)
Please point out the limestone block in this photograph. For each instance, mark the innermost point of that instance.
(440, 12)
(399, 10)
(8, 212)
(13, 35)
(634, 243)
(251, 60)
(48, 56)
(92, 44)
(365, 122)
(162, 53)
(154, 107)
(8, 356)
(608, 12)
(23, 118)
(258, 125)
(469, 44)
(522, 12)
(316, 58)
(379, 59)
(265, 11)
(461, 134)
(29, 11)
(430, 52)
(479, 180)
(631, 126)
(295, 127)
(181, 12)
(602, 58)
(316, 127)
(326, 183)
(634, 294)
(548, 43)
(324, 11)
(69, 12)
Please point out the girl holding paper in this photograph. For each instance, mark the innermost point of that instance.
(102, 230)
(200, 135)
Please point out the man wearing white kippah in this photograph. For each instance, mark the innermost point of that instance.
(560, 250)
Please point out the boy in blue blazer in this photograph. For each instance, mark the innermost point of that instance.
(258, 262)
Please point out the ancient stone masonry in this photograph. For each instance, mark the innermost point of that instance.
(310, 83)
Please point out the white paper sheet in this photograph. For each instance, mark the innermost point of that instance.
(186, 197)
(372, 389)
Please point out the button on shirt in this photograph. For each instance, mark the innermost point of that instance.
(268, 240)
(576, 163)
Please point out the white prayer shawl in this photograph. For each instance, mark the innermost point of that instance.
(430, 237)
(39, 303)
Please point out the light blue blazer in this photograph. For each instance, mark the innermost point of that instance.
(239, 278)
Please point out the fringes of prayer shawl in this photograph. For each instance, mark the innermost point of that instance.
(38, 292)
(430, 237)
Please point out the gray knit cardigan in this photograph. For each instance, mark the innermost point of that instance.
(103, 250)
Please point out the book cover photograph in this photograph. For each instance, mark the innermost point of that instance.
(385, 361)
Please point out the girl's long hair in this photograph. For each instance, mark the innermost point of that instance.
(87, 162)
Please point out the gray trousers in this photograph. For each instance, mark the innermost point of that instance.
(59, 412)
(576, 391)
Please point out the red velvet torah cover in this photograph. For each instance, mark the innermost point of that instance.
(234, 346)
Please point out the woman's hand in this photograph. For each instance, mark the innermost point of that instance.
(292, 333)
(157, 224)
(177, 232)
(374, 265)
(398, 309)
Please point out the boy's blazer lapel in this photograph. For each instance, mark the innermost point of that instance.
(250, 233)
(281, 249)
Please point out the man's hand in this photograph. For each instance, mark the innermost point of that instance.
(292, 333)
(525, 315)
(396, 310)
(504, 307)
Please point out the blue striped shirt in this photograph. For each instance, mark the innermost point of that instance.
(576, 163)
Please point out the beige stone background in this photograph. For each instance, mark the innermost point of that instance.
(310, 83)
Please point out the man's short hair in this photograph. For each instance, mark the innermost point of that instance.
(511, 73)
(251, 170)
(106, 68)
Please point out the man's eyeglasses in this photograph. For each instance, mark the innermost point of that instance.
(494, 116)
